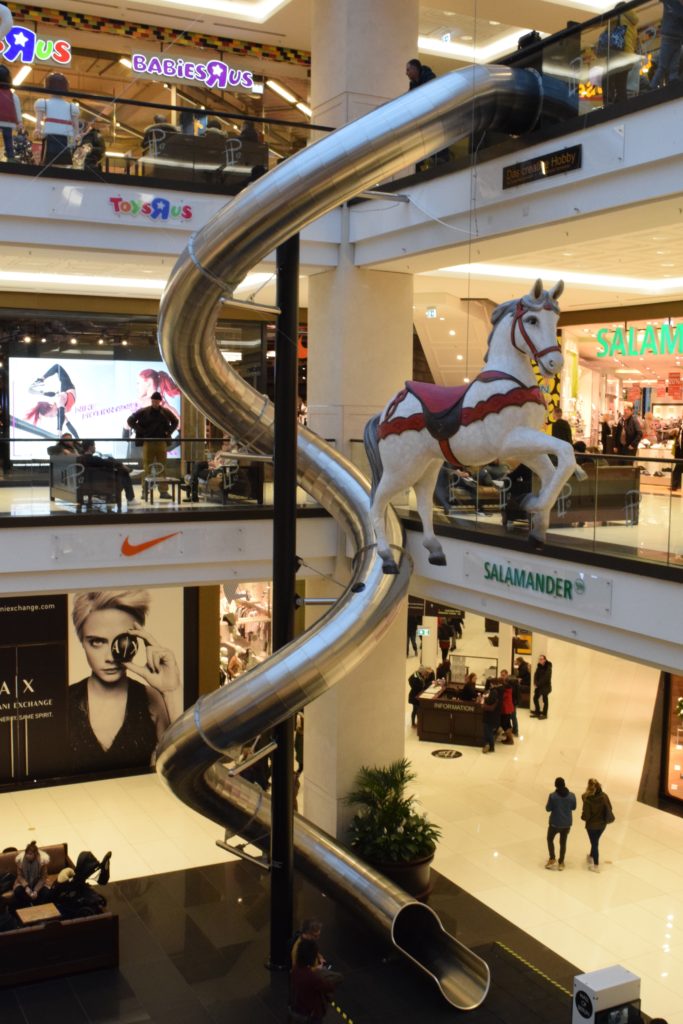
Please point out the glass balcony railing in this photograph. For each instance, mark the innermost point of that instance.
(111, 138)
(43, 477)
(610, 63)
(627, 508)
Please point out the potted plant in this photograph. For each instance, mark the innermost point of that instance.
(388, 832)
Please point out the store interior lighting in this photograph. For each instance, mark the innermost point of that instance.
(282, 91)
(21, 75)
(126, 62)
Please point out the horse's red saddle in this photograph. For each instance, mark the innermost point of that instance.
(441, 407)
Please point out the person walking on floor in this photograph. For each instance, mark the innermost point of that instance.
(542, 686)
(507, 706)
(560, 804)
(153, 426)
(597, 813)
(491, 717)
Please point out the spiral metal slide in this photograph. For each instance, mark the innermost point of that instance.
(192, 753)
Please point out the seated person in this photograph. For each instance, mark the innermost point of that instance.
(580, 453)
(65, 446)
(31, 885)
(469, 690)
(311, 987)
(214, 127)
(213, 465)
(94, 463)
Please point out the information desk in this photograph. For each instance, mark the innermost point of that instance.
(449, 720)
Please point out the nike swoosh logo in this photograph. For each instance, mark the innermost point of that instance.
(129, 549)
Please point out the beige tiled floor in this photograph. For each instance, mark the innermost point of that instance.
(491, 810)
(492, 813)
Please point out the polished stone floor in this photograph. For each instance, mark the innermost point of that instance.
(194, 943)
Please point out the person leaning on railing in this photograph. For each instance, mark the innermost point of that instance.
(57, 121)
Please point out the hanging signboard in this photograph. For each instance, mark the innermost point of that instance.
(25, 45)
(539, 167)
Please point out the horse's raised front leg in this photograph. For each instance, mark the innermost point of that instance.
(523, 444)
(424, 496)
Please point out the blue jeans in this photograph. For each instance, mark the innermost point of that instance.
(669, 61)
(594, 836)
(9, 143)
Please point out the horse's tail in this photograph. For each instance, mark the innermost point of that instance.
(372, 451)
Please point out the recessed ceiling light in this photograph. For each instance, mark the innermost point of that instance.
(43, 340)
(452, 334)
(74, 341)
(466, 380)
(27, 338)
(494, 23)
(100, 341)
(467, 39)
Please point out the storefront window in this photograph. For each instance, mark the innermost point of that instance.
(673, 740)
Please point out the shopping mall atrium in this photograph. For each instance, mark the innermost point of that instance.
(255, 221)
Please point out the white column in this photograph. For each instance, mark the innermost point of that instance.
(360, 352)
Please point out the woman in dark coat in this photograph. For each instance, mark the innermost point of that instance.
(542, 686)
(597, 814)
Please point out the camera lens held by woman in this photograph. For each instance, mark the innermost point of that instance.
(118, 713)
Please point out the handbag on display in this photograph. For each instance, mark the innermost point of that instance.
(611, 40)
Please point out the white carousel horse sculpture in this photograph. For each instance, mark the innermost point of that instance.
(500, 415)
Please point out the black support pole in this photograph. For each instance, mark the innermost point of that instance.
(284, 582)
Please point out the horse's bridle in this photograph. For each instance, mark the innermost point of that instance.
(517, 322)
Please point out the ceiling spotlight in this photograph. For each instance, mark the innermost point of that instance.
(459, 357)
(100, 341)
(43, 340)
(452, 334)
(27, 339)
(124, 341)
(73, 341)
(466, 380)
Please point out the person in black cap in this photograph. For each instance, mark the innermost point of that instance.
(153, 426)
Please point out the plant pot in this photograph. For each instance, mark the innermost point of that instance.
(413, 876)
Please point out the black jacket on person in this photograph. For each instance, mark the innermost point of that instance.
(152, 422)
(562, 431)
(523, 673)
(634, 435)
(426, 75)
(543, 677)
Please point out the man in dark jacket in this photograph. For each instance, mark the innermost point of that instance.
(542, 686)
(99, 466)
(628, 434)
(419, 74)
(153, 425)
(561, 428)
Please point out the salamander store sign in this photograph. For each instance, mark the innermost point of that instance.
(574, 591)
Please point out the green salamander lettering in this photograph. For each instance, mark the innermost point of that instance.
(523, 579)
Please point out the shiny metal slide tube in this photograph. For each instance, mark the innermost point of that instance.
(269, 211)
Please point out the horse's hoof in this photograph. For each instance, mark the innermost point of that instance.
(437, 559)
(390, 568)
